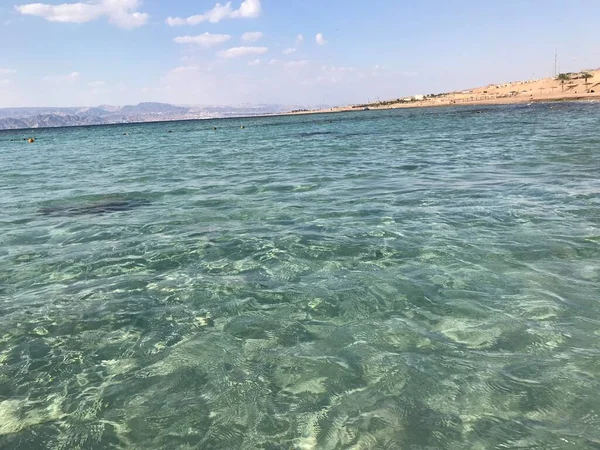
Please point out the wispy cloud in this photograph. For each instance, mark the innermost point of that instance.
(237, 52)
(73, 76)
(296, 64)
(205, 40)
(256, 62)
(248, 9)
(184, 69)
(338, 69)
(320, 39)
(299, 39)
(122, 13)
(252, 36)
(289, 51)
(7, 71)
(4, 83)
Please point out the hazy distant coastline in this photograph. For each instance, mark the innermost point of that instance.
(33, 118)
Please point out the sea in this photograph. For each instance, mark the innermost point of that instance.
(402, 279)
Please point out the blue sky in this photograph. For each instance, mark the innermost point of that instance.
(64, 53)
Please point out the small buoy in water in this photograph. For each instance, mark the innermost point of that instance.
(242, 127)
(125, 134)
(215, 128)
(31, 140)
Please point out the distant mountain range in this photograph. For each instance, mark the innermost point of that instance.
(25, 118)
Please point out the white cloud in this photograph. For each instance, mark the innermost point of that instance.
(248, 9)
(289, 51)
(73, 76)
(96, 84)
(296, 64)
(337, 69)
(299, 39)
(320, 39)
(252, 36)
(205, 40)
(184, 69)
(256, 62)
(237, 52)
(122, 13)
(290, 64)
(4, 83)
(7, 71)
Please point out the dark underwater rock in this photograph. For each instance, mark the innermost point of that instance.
(96, 208)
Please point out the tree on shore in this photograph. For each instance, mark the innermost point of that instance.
(586, 76)
(562, 78)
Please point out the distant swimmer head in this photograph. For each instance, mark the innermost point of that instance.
(215, 128)
(31, 140)
(242, 127)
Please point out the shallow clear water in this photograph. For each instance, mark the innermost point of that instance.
(376, 280)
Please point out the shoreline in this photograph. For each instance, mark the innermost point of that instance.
(569, 87)
(593, 97)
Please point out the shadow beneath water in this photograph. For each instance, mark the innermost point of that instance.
(97, 208)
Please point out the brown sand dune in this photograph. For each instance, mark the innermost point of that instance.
(542, 90)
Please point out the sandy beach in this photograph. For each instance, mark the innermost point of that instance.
(576, 88)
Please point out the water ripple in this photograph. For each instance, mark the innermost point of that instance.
(396, 279)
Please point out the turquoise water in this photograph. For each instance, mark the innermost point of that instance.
(375, 280)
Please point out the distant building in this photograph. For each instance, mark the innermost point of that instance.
(419, 97)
